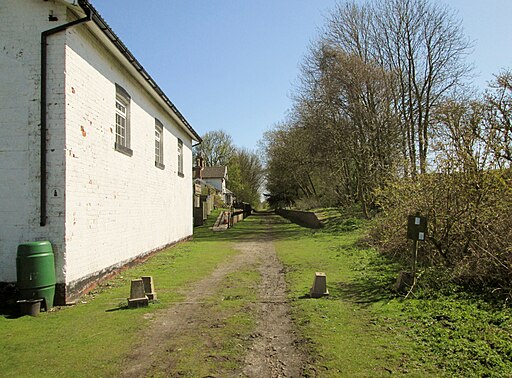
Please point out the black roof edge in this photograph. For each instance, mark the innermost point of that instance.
(111, 35)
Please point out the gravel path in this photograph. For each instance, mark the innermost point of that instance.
(274, 351)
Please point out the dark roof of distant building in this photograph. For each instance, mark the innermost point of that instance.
(215, 172)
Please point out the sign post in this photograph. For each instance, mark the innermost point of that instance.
(416, 231)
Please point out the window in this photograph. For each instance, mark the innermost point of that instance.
(159, 144)
(180, 158)
(122, 121)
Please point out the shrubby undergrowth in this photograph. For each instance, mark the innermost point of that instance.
(384, 118)
(469, 225)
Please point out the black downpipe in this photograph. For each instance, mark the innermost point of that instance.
(44, 58)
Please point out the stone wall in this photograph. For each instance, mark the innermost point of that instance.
(303, 218)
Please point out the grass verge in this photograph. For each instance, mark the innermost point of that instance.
(343, 331)
(91, 338)
(364, 330)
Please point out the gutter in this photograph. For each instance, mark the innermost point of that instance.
(92, 15)
(44, 62)
(109, 33)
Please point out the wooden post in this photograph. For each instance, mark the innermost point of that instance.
(414, 258)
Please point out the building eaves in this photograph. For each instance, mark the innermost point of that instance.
(109, 33)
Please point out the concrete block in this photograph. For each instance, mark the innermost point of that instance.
(139, 302)
(149, 288)
(137, 289)
(319, 288)
(138, 297)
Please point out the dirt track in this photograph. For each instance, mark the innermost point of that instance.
(274, 351)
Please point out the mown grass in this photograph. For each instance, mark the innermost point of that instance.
(91, 338)
(361, 329)
(364, 330)
(343, 331)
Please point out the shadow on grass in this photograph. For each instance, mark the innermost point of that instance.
(365, 293)
(124, 306)
(11, 314)
(374, 284)
(8, 306)
(120, 308)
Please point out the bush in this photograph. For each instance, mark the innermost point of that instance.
(469, 225)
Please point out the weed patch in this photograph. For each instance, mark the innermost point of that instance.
(469, 338)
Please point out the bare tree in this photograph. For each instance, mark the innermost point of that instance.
(217, 148)
(422, 43)
(362, 128)
(498, 118)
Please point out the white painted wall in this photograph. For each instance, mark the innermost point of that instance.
(108, 208)
(20, 33)
(217, 183)
(118, 207)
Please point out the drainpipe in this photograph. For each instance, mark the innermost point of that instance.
(44, 38)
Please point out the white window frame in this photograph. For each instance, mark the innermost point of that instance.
(122, 104)
(159, 144)
(180, 158)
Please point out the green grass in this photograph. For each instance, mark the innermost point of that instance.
(363, 330)
(468, 336)
(216, 345)
(91, 338)
(343, 331)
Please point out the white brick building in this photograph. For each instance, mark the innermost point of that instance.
(111, 179)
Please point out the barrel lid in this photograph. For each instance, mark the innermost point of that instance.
(32, 248)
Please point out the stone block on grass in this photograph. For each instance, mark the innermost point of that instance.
(149, 288)
(138, 296)
(319, 288)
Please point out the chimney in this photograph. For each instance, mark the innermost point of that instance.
(198, 169)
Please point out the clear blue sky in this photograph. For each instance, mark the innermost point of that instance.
(233, 64)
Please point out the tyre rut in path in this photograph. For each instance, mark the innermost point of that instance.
(274, 352)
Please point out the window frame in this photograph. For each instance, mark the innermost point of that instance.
(180, 158)
(159, 144)
(122, 143)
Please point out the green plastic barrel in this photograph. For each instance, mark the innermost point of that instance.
(35, 269)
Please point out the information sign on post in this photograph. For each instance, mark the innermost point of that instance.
(416, 227)
(416, 231)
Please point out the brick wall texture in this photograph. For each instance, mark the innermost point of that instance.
(104, 208)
